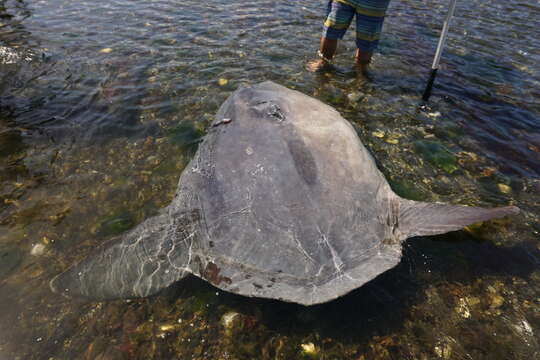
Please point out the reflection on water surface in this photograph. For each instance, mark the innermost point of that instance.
(102, 105)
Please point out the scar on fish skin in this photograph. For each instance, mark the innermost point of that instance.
(211, 273)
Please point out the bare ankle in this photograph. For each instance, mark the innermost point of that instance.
(362, 67)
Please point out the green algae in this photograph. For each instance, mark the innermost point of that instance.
(116, 224)
(407, 190)
(40, 210)
(447, 130)
(10, 258)
(437, 155)
(11, 143)
(202, 299)
(187, 135)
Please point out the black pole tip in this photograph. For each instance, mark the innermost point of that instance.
(427, 91)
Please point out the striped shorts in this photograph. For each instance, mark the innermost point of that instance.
(369, 20)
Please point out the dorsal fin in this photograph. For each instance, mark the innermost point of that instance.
(417, 218)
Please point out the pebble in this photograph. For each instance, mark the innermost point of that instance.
(486, 172)
(167, 327)
(524, 328)
(505, 189)
(378, 134)
(462, 309)
(354, 96)
(37, 250)
(472, 301)
(309, 349)
(227, 319)
(497, 301)
(443, 351)
(152, 160)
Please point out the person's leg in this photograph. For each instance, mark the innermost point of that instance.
(327, 50)
(369, 21)
(338, 19)
(362, 60)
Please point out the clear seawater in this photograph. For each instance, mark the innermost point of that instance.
(102, 105)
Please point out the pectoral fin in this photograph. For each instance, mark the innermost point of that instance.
(139, 263)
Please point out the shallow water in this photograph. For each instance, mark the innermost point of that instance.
(102, 106)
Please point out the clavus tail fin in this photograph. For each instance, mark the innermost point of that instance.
(420, 218)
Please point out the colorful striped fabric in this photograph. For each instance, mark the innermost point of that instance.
(369, 20)
(375, 8)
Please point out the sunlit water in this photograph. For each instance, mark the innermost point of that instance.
(103, 103)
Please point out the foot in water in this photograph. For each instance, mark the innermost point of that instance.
(362, 71)
(318, 65)
(321, 66)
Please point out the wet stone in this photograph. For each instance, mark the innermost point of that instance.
(503, 188)
(392, 140)
(309, 351)
(463, 309)
(153, 161)
(38, 250)
(355, 96)
(378, 133)
(496, 301)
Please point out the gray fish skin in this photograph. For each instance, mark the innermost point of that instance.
(281, 201)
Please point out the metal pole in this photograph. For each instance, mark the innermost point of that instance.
(440, 46)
